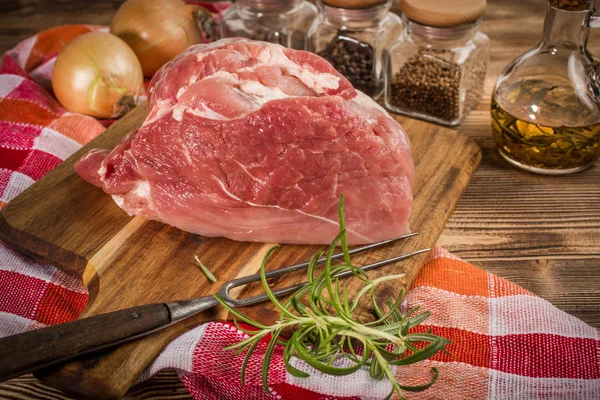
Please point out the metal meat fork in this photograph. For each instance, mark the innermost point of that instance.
(41, 348)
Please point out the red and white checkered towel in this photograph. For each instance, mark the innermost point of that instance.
(506, 342)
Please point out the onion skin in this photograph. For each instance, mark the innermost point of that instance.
(156, 30)
(97, 74)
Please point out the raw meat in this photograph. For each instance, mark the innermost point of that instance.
(255, 142)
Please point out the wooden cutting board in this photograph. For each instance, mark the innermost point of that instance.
(127, 261)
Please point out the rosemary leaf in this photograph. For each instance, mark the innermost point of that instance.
(420, 388)
(267, 359)
(247, 359)
(205, 270)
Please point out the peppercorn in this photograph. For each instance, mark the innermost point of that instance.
(354, 60)
(572, 5)
(429, 84)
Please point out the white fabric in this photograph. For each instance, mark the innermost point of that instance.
(18, 263)
(359, 383)
(178, 354)
(22, 51)
(12, 324)
(17, 183)
(8, 83)
(54, 143)
(540, 317)
(504, 386)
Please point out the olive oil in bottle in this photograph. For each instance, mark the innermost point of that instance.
(543, 128)
(546, 103)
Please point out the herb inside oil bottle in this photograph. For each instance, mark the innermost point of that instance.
(543, 135)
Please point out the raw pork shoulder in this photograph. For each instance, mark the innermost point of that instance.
(255, 142)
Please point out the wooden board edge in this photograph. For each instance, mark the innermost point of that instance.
(111, 374)
(65, 260)
(477, 155)
(51, 254)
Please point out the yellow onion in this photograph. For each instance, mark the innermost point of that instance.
(157, 30)
(97, 74)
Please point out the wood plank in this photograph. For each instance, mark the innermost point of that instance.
(164, 385)
(129, 261)
(24, 18)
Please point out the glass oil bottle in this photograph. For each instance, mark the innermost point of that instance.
(546, 104)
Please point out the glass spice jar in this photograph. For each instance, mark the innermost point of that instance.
(355, 37)
(546, 103)
(284, 22)
(436, 70)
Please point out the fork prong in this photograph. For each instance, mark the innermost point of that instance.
(224, 291)
(336, 256)
(379, 264)
(225, 295)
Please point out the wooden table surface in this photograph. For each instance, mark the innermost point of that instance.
(541, 232)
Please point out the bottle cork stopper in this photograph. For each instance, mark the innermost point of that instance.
(443, 12)
(354, 4)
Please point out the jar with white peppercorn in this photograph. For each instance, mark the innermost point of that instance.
(354, 36)
(436, 70)
(285, 22)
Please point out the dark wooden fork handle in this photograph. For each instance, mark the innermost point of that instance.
(33, 350)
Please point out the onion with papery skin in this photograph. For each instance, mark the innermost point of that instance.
(97, 74)
(157, 30)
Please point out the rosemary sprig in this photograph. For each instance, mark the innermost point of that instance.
(325, 328)
(205, 270)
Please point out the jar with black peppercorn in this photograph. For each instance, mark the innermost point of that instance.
(354, 36)
(284, 22)
(436, 70)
